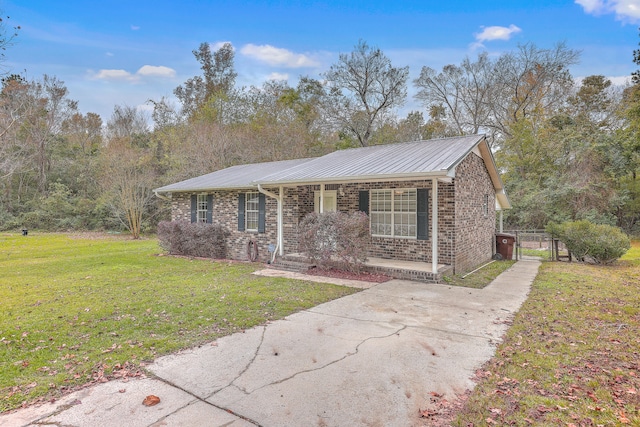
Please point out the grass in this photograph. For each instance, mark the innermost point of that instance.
(480, 278)
(76, 310)
(572, 355)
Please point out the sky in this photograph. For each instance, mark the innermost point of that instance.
(126, 53)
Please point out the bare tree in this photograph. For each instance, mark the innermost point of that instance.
(492, 95)
(530, 83)
(126, 122)
(127, 168)
(363, 86)
(41, 108)
(464, 92)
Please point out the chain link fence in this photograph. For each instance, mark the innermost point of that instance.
(533, 242)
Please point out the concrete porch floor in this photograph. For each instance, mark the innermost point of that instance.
(394, 268)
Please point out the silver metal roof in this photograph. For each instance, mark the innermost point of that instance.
(434, 157)
(234, 177)
(431, 157)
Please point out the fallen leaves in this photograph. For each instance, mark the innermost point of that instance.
(151, 400)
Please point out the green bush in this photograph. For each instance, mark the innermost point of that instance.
(598, 243)
(335, 239)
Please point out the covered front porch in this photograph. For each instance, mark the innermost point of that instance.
(413, 258)
(407, 270)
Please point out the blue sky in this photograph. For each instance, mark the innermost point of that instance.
(126, 52)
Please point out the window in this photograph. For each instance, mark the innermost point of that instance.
(485, 205)
(252, 207)
(394, 213)
(203, 207)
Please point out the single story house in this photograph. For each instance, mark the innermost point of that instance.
(431, 204)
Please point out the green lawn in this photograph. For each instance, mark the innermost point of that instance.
(572, 355)
(85, 308)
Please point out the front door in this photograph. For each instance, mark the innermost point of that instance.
(330, 202)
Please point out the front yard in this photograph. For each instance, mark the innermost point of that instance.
(87, 308)
(571, 357)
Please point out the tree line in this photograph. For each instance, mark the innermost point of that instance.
(567, 150)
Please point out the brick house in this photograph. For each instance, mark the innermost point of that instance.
(432, 204)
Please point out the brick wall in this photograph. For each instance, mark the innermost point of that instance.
(465, 233)
(474, 231)
(405, 249)
(225, 213)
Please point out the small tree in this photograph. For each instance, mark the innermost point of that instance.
(335, 238)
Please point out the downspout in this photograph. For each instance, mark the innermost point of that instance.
(434, 226)
(279, 198)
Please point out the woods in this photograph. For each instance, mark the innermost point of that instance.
(567, 149)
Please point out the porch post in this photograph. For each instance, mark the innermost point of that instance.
(280, 222)
(501, 220)
(434, 226)
(321, 201)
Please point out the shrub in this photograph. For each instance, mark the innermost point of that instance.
(335, 238)
(599, 243)
(193, 239)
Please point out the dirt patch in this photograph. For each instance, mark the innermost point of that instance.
(343, 274)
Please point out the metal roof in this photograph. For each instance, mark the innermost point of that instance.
(418, 158)
(234, 177)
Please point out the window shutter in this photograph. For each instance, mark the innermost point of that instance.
(262, 212)
(423, 214)
(363, 201)
(210, 208)
(194, 208)
(241, 212)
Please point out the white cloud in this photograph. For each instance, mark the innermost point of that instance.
(276, 56)
(278, 76)
(625, 10)
(156, 71)
(113, 75)
(497, 33)
(620, 80)
(217, 45)
(135, 27)
(591, 6)
(146, 71)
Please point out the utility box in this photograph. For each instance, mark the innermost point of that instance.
(504, 245)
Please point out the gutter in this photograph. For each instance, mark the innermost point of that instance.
(161, 196)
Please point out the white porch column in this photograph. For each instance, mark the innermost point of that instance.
(501, 216)
(321, 201)
(280, 222)
(434, 226)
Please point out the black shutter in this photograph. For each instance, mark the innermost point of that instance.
(210, 208)
(423, 214)
(194, 208)
(241, 212)
(262, 212)
(363, 201)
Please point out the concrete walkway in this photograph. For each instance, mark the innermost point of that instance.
(368, 359)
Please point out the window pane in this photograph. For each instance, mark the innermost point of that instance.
(251, 211)
(202, 207)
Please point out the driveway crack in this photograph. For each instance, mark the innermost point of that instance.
(349, 354)
(247, 366)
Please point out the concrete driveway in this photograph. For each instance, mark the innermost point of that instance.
(368, 359)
